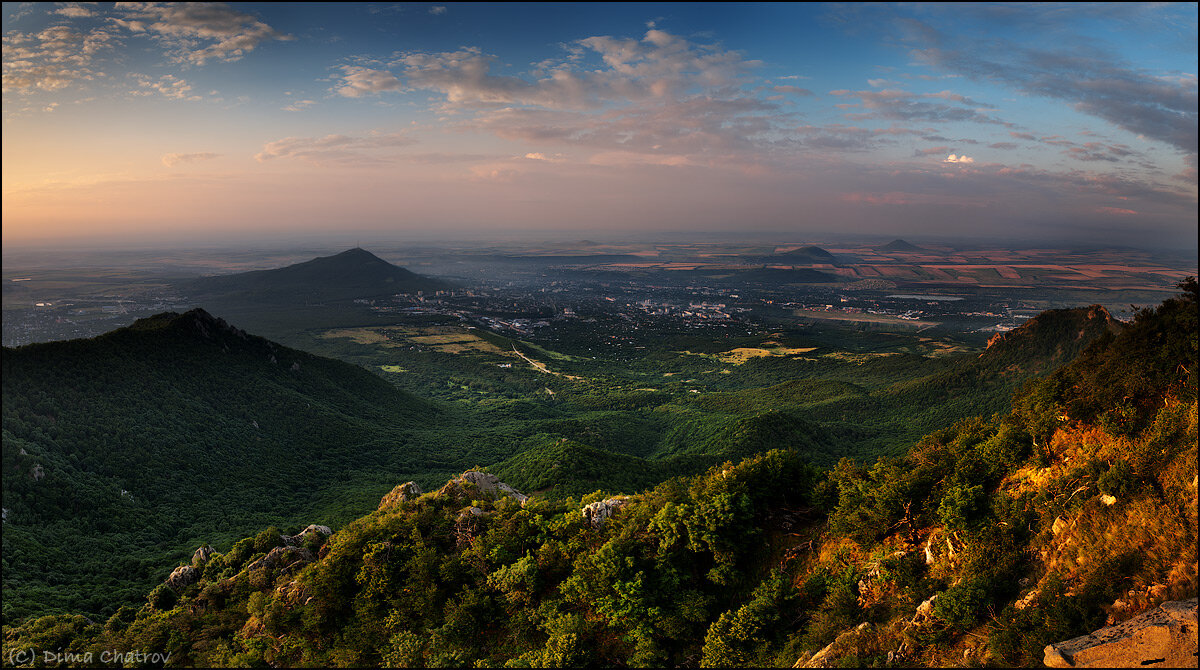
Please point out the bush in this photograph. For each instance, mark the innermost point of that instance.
(1118, 481)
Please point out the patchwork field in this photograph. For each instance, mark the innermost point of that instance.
(863, 317)
(444, 339)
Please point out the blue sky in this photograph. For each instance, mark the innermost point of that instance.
(153, 121)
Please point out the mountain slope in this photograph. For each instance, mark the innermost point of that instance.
(172, 430)
(809, 254)
(901, 245)
(978, 547)
(355, 273)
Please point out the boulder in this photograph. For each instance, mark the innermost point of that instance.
(1163, 637)
(202, 555)
(597, 513)
(1060, 524)
(182, 577)
(302, 536)
(402, 493)
(476, 485)
(283, 557)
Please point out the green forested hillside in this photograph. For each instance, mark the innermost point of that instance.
(129, 448)
(181, 430)
(988, 539)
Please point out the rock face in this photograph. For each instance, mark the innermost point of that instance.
(288, 558)
(402, 493)
(598, 512)
(303, 535)
(1164, 637)
(182, 577)
(472, 485)
(202, 555)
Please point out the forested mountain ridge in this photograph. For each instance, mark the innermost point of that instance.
(147, 439)
(987, 540)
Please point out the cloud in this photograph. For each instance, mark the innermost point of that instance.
(75, 11)
(1115, 210)
(906, 106)
(341, 149)
(794, 90)
(299, 105)
(168, 85)
(1003, 145)
(931, 151)
(52, 59)
(359, 81)
(1162, 108)
(171, 160)
(952, 158)
(437, 10)
(197, 33)
(597, 70)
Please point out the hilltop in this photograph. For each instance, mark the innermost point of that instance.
(901, 245)
(809, 254)
(988, 540)
(355, 273)
(123, 448)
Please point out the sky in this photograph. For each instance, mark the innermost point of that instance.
(133, 122)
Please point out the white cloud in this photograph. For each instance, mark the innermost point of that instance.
(437, 10)
(359, 81)
(171, 160)
(75, 11)
(333, 148)
(52, 59)
(299, 105)
(168, 85)
(197, 32)
(953, 158)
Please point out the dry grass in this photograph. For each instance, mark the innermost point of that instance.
(360, 336)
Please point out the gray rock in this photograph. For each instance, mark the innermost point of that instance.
(182, 577)
(474, 484)
(1163, 637)
(203, 553)
(288, 557)
(597, 513)
(302, 536)
(402, 493)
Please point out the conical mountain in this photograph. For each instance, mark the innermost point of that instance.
(809, 254)
(355, 273)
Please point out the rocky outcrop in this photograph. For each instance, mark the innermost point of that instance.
(476, 485)
(597, 513)
(1164, 637)
(182, 577)
(402, 493)
(287, 558)
(302, 536)
(200, 558)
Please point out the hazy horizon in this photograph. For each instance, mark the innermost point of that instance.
(148, 125)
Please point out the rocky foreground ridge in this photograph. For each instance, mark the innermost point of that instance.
(1164, 637)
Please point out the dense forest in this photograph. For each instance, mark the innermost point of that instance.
(987, 539)
(124, 452)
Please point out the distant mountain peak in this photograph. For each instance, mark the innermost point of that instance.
(900, 245)
(353, 273)
(811, 252)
